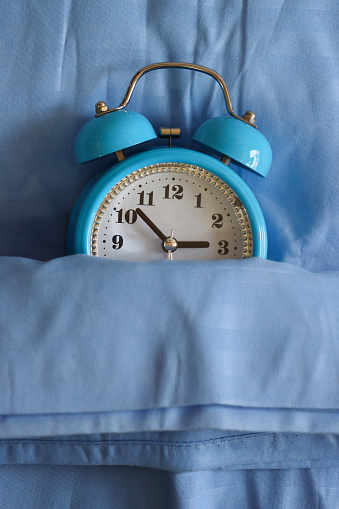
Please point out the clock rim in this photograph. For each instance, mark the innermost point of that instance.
(89, 201)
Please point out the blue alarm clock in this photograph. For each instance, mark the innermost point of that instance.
(170, 203)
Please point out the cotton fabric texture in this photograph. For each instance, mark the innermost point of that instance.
(169, 384)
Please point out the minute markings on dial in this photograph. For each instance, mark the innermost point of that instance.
(187, 223)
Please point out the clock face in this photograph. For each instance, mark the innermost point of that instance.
(171, 210)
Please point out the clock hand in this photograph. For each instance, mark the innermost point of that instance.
(182, 244)
(193, 243)
(150, 224)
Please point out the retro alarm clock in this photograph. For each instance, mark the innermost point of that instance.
(171, 202)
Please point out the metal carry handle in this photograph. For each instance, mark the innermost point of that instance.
(102, 109)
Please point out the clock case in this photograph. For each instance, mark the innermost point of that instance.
(236, 138)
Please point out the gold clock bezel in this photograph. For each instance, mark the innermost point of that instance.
(185, 169)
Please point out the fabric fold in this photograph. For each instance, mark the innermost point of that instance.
(86, 336)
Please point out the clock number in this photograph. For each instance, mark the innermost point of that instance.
(117, 242)
(119, 212)
(142, 198)
(130, 216)
(177, 190)
(218, 220)
(198, 205)
(223, 248)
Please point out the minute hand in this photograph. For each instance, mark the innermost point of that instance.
(193, 243)
(150, 224)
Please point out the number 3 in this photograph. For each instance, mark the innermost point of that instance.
(223, 247)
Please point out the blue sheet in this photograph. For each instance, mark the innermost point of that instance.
(199, 343)
(224, 387)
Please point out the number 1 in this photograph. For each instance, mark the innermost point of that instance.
(198, 205)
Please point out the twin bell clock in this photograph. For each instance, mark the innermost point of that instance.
(170, 203)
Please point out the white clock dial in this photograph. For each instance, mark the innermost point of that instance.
(206, 218)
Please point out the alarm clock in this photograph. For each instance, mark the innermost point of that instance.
(170, 203)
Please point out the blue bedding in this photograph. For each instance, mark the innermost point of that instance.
(216, 383)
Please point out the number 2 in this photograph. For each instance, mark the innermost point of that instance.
(218, 220)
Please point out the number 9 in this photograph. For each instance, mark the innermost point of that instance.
(117, 241)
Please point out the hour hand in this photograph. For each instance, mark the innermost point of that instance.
(150, 223)
(193, 243)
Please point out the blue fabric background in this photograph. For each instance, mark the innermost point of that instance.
(277, 58)
(103, 387)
